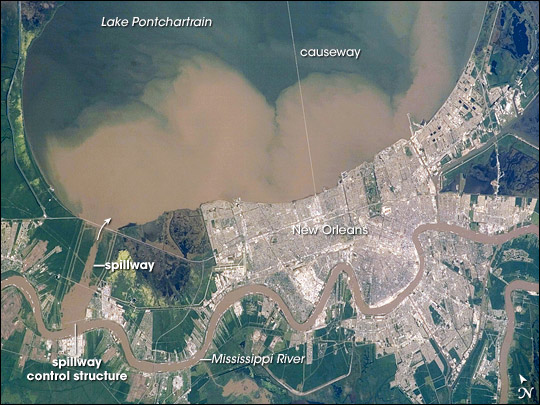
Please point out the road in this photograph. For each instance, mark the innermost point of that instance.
(229, 299)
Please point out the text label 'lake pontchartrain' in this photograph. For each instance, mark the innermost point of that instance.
(156, 22)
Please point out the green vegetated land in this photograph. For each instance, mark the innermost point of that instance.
(10, 358)
(525, 352)
(183, 234)
(15, 309)
(535, 216)
(16, 199)
(431, 380)
(527, 125)
(511, 51)
(171, 328)
(64, 268)
(465, 390)
(105, 253)
(21, 390)
(369, 382)
(437, 318)
(484, 389)
(25, 343)
(23, 186)
(372, 191)
(518, 161)
(363, 376)
(234, 337)
(332, 356)
(68, 240)
(510, 63)
(16, 388)
(517, 259)
(182, 279)
(25, 194)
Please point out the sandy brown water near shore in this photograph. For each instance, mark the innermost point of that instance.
(211, 134)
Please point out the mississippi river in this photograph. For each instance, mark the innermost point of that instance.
(148, 366)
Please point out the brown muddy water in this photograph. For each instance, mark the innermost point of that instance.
(119, 140)
(510, 330)
(235, 295)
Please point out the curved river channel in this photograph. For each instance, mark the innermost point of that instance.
(509, 336)
(148, 366)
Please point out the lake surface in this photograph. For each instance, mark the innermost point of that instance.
(130, 122)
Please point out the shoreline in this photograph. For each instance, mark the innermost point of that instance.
(230, 298)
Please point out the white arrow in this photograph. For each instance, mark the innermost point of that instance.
(522, 379)
(107, 222)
